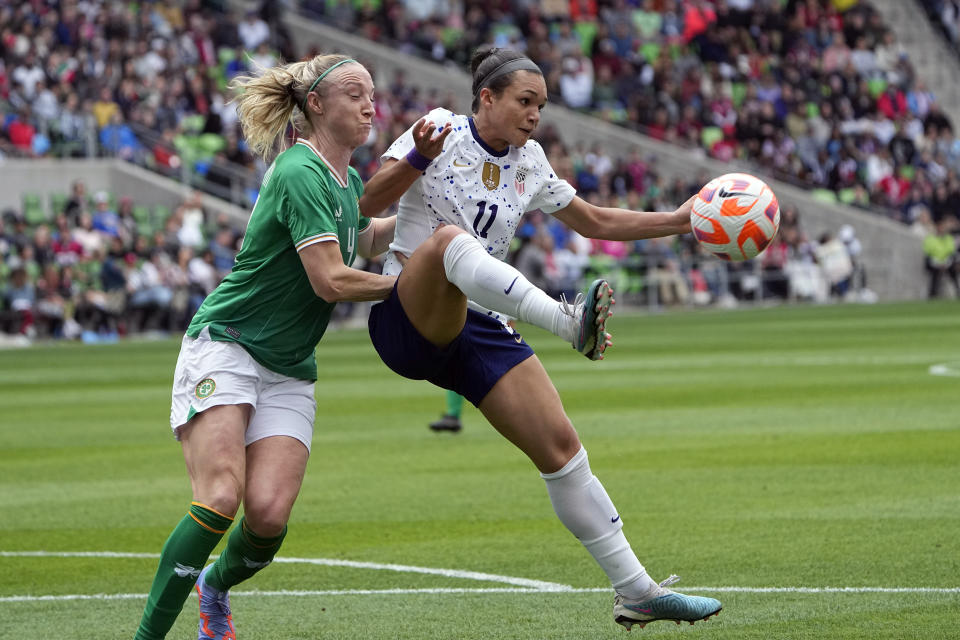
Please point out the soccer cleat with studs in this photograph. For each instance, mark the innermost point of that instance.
(216, 621)
(664, 605)
(590, 312)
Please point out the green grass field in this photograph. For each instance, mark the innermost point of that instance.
(764, 455)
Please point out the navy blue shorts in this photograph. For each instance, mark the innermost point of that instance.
(470, 365)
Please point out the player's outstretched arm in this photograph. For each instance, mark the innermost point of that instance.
(394, 177)
(334, 281)
(376, 238)
(611, 223)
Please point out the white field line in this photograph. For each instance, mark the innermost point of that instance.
(511, 590)
(949, 369)
(538, 585)
(523, 585)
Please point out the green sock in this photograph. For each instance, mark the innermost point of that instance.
(454, 404)
(246, 553)
(181, 561)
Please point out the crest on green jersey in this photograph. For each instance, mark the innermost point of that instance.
(205, 388)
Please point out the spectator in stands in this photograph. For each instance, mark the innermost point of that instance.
(76, 204)
(576, 81)
(105, 108)
(52, 296)
(71, 126)
(536, 260)
(18, 300)
(572, 261)
(774, 260)
(221, 246)
(253, 31)
(193, 217)
(149, 296)
(89, 238)
(29, 75)
(940, 251)
(203, 278)
(127, 226)
(66, 248)
(21, 131)
(117, 138)
(835, 264)
(665, 272)
(105, 219)
(43, 250)
(17, 233)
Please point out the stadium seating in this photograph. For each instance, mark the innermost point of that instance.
(171, 100)
(705, 51)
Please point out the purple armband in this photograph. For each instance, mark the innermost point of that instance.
(417, 160)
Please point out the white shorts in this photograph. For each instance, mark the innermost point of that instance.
(211, 373)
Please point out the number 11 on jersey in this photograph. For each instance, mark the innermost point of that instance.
(481, 210)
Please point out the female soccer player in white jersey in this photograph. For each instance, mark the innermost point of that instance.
(243, 392)
(459, 209)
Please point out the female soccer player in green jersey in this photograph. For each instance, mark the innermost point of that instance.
(243, 395)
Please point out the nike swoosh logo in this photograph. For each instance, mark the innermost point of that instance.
(507, 290)
(615, 519)
(723, 193)
(458, 164)
(519, 339)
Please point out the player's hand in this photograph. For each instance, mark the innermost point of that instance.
(682, 215)
(426, 143)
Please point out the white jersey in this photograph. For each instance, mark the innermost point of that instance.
(470, 185)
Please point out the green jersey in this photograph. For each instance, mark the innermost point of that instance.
(266, 303)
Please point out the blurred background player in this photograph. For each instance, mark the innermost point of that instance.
(450, 420)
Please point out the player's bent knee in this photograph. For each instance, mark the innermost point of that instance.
(563, 444)
(442, 237)
(266, 520)
(223, 498)
(220, 490)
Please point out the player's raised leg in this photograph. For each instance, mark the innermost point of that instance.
(495, 285)
(525, 408)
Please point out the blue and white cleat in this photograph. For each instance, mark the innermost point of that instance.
(664, 605)
(216, 622)
(590, 312)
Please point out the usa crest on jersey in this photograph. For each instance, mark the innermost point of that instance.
(519, 179)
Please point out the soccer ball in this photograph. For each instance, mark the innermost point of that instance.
(735, 216)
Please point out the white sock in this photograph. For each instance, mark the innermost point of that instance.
(584, 507)
(497, 286)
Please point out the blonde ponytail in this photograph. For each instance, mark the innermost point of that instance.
(268, 102)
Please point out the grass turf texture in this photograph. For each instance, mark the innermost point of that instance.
(787, 447)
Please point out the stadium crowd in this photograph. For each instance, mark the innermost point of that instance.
(148, 82)
(818, 92)
(98, 271)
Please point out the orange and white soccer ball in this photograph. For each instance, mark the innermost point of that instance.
(735, 216)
